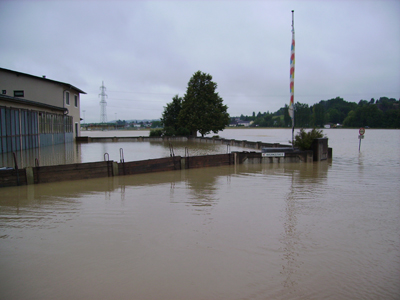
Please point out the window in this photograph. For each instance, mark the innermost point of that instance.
(76, 100)
(19, 93)
(4, 92)
(67, 98)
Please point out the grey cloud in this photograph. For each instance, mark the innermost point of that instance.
(146, 51)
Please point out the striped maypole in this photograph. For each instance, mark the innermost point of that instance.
(291, 104)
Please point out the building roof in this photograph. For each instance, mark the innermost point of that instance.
(30, 102)
(45, 79)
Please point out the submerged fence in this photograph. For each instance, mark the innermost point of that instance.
(271, 153)
(109, 168)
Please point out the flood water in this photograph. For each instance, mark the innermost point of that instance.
(326, 230)
(71, 153)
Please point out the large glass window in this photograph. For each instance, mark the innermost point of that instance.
(67, 98)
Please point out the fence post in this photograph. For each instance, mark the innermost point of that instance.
(115, 168)
(29, 175)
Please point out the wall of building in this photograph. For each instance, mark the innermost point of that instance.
(35, 89)
(73, 110)
(43, 91)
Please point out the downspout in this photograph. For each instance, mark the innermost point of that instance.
(65, 112)
(63, 100)
(20, 129)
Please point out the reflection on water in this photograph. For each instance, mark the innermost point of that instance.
(134, 151)
(325, 230)
(290, 240)
(202, 192)
(92, 152)
(59, 154)
(304, 182)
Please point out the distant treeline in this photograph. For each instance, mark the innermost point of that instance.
(382, 113)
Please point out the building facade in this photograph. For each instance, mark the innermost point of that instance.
(36, 111)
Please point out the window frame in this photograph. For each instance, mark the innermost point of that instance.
(67, 98)
(19, 93)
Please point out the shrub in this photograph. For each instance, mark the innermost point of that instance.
(170, 131)
(156, 132)
(303, 140)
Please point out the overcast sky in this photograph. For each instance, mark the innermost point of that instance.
(146, 51)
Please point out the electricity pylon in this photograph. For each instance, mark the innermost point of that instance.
(103, 103)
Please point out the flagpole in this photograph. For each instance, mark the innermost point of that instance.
(292, 62)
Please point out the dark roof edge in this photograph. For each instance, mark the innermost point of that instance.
(30, 102)
(44, 78)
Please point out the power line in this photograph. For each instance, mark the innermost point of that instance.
(144, 93)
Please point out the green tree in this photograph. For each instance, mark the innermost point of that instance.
(384, 103)
(318, 116)
(267, 120)
(302, 115)
(277, 121)
(392, 118)
(156, 124)
(350, 120)
(337, 109)
(202, 108)
(365, 115)
(286, 117)
(333, 116)
(170, 115)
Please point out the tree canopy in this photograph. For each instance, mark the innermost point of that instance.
(200, 110)
(381, 113)
(169, 118)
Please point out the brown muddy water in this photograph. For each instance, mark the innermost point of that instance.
(99, 151)
(327, 230)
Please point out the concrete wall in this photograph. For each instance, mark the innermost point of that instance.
(207, 160)
(71, 172)
(320, 149)
(35, 175)
(229, 142)
(257, 158)
(13, 177)
(150, 165)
